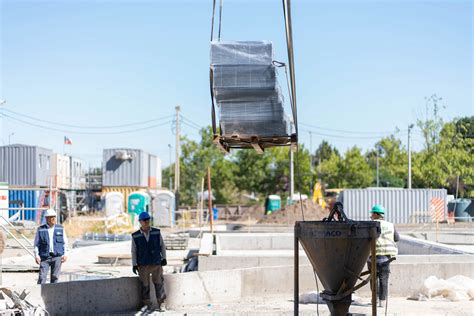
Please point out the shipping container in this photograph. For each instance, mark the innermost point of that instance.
(25, 166)
(78, 174)
(402, 206)
(60, 171)
(125, 167)
(4, 199)
(27, 199)
(126, 191)
(154, 168)
(163, 208)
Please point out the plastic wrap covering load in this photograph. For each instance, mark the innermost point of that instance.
(246, 90)
(242, 53)
(244, 77)
(267, 111)
(249, 129)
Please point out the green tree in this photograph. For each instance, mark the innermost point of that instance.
(393, 162)
(355, 171)
(195, 159)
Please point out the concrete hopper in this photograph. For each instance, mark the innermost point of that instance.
(338, 251)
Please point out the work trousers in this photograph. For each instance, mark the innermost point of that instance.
(383, 271)
(50, 263)
(156, 272)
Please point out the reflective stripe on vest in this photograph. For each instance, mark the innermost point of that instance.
(386, 245)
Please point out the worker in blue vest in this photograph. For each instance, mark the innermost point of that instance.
(385, 249)
(148, 258)
(51, 248)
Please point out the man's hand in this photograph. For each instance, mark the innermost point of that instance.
(63, 259)
(135, 269)
(163, 262)
(38, 259)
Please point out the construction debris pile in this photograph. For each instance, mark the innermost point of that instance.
(292, 213)
(13, 303)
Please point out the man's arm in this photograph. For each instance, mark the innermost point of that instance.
(36, 244)
(134, 253)
(163, 248)
(66, 243)
(396, 236)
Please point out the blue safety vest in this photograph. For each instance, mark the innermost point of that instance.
(148, 252)
(44, 241)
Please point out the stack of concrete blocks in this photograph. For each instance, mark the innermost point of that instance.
(246, 90)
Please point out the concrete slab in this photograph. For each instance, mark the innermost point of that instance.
(89, 297)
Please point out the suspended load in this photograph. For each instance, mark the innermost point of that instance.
(247, 96)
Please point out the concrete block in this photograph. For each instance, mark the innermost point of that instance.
(93, 296)
(202, 287)
(206, 246)
(413, 246)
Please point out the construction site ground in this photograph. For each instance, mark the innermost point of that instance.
(83, 265)
(283, 305)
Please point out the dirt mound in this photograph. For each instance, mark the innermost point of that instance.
(293, 213)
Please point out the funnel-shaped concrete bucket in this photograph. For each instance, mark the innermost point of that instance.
(338, 252)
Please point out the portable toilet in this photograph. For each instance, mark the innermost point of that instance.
(273, 203)
(138, 202)
(114, 203)
(163, 208)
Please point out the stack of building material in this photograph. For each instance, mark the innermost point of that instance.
(177, 241)
(246, 90)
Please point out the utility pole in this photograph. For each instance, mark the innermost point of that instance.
(377, 172)
(170, 172)
(311, 160)
(409, 156)
(176, 163)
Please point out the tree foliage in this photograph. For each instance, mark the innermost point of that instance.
(447, 156)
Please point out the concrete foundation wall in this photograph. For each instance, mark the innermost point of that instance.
(122, 294)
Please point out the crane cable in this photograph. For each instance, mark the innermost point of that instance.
(291, 62)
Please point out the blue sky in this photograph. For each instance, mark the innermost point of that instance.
(361, 66)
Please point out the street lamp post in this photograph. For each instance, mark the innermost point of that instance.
(409, 157)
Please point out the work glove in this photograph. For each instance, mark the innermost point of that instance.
(135, 269)
(163, 262)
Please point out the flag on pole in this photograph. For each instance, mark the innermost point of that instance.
(67, 141)
(437, 209)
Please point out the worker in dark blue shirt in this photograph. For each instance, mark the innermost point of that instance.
(148, 259)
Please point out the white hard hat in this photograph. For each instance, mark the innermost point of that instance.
(50, 212)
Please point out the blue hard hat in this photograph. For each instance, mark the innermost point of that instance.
(143, 216)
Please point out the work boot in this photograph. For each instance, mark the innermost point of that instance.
(160, 308)
(148, 307)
